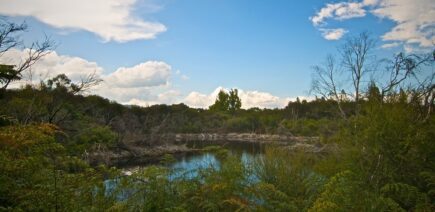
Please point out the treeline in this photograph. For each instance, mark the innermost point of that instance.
(88, 122)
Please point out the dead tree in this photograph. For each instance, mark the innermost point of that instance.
(325, 84)
(356, 54)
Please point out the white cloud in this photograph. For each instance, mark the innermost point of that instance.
(109, 19)
(148, 74)
(140, 81)
(370, 2)
(338, 11)
(199, 100)
(144, 84)
(167, 97)
(140, 102)
(414, 20)
(262, 100)
(51, 65)
(333, 34)
(249, 99)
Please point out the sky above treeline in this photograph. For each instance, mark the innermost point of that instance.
(172, 51)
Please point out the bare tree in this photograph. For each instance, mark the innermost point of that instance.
(425, 82)
(356, 53)
(325, 84)
(404, 67)
(9, 38)
(8, 35)
(87, 82)
(428, 93)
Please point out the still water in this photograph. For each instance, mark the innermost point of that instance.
(188, 164)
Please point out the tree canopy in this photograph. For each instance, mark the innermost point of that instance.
(227, 102)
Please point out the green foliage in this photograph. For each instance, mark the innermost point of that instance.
(220, 152)
(382, 160)
(221, 103)
(148, 189)
(373, 93)
(8, 73)
(36, 175)
(55, 102)
(94, 137)
(234, 101)
(312, 127)
(290, 173)
(274, 199)
(227, 102)
(353, 179)
(429, 184)
(167, 159)
(406, 196)
(340, 194)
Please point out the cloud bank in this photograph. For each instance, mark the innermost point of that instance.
(249, 99)
(112, 20)
(145, 84)
(51, 65)
(414, 20)
(121, 85)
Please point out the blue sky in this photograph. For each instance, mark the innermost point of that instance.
(265, 48)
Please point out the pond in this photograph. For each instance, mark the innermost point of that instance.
(187, 164)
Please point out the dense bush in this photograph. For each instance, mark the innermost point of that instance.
(381, 159)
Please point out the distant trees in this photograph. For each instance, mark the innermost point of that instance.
(227, 102)
(62, 82)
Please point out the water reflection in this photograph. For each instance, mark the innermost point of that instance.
(188, 164)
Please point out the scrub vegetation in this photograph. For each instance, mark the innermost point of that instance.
(382, 130)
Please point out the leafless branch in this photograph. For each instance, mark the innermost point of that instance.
(36, 51)
(356, 58)
(8, 35)
(87, 82)
(324, 82)
(401, 68)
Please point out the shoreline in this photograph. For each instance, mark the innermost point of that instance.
(138, 152)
